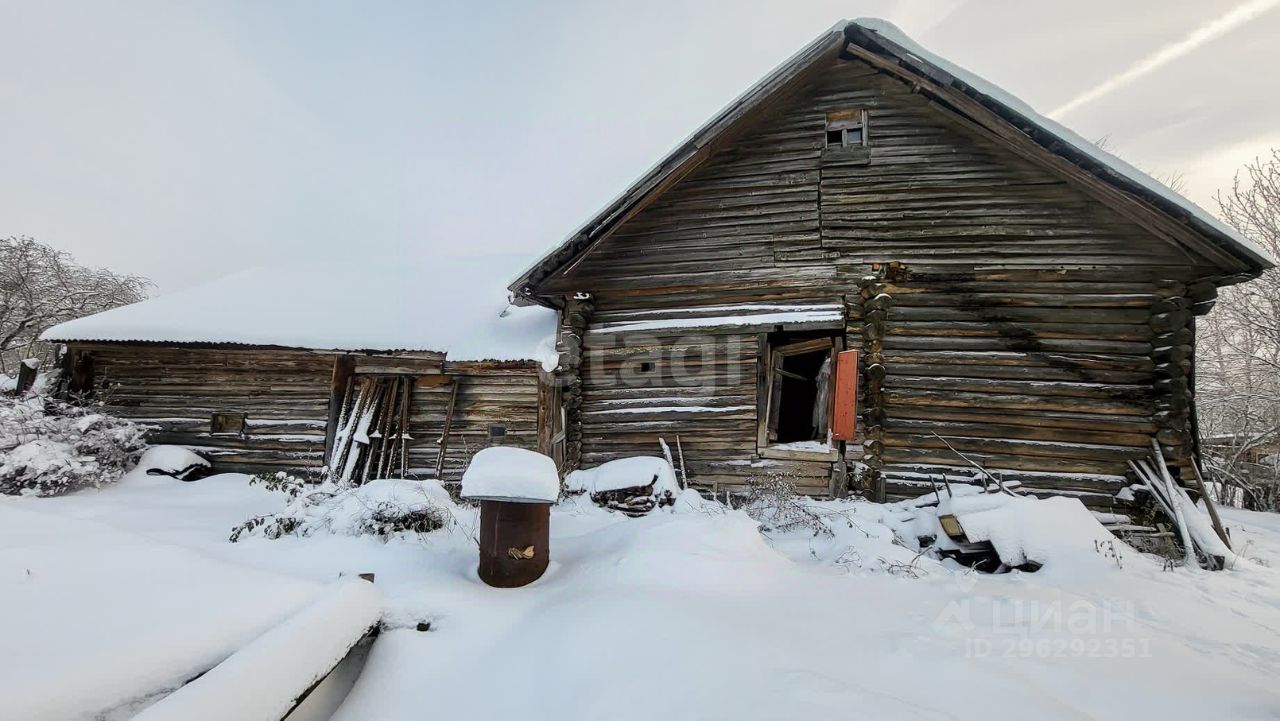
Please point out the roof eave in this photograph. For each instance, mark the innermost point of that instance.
(423, 354)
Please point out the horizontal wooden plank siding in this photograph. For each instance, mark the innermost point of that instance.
(699, 386)
(284, 395)
(1070, 414)
(486, 397)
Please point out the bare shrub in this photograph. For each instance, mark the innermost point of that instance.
(773, 501)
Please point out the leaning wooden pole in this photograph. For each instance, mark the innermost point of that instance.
(1175, 502)
(1209, 505)
(344, 367)
(448, 424)
(404, 424)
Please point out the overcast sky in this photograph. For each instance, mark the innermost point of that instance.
(185, 139)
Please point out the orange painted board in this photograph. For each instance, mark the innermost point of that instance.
(844, 416)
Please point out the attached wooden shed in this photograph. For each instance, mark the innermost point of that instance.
(1017, 297)
(405, 372)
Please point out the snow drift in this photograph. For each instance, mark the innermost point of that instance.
(263, 680)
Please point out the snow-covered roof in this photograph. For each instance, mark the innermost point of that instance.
(882, 38)
(456, 306)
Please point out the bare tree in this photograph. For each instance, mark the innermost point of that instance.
(41, 287)
(1238, 369)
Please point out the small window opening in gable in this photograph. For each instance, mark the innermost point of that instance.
(847, 129)
(227, 423)
(497, 430)
(646, 367)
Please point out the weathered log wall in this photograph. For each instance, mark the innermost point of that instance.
(569, 376)
(675, 384)
(488, 395)
(1055, 389)
(285, 396)
(997, 303)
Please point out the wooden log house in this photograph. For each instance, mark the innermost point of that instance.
(395, 370)
(1017, 297)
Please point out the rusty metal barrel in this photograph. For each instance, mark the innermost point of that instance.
(516, 488)
(514, 542)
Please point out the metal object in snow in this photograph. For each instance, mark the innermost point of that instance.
(514, 539)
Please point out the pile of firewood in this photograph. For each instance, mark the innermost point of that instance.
(634, 501)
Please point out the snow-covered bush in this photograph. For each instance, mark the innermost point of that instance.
(48, 447)
(382, 508)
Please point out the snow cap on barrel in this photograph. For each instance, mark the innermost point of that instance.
(503, 473)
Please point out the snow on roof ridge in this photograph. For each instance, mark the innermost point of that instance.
(1113, 163)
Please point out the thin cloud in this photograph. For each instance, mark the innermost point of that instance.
(1211, 30)
(1213, 170)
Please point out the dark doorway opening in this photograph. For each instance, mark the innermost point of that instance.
(798, 395)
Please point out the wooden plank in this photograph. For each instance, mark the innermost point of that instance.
(798, 455)
(82, 376)
(845, 408)
(448, 423)
(339, 393)
(26, 376)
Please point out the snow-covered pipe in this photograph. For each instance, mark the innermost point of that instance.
(264, 680)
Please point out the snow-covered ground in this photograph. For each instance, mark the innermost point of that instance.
(108, 596)
(690, 613)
